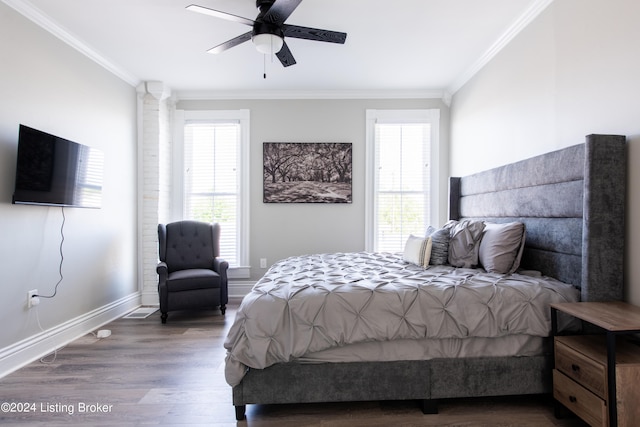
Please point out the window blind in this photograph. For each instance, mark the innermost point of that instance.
(402, 183)
(211, 180)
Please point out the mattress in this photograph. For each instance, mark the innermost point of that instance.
(310, 304)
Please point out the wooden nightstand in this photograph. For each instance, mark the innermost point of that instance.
(593, 370)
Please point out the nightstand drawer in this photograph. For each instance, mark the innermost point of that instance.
(579, 400)
(571, 360)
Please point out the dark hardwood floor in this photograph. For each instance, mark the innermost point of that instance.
(147, 373)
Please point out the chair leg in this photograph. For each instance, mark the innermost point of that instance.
(163, 317)
(223, 308)
(240, 412)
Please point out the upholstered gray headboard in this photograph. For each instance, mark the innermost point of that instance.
(572, 202)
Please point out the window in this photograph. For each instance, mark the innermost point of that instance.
(213, 178)
(402, 176)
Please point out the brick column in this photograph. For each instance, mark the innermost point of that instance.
(155, 179)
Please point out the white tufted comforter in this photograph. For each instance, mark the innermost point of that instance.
(310, 303)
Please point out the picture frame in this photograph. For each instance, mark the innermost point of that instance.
(307, 172)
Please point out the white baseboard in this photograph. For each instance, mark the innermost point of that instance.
(35, 347)
(149, 298)
(239, 289)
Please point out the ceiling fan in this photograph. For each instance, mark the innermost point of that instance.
(269, 30)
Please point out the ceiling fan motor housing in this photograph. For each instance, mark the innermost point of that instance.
(260, 27)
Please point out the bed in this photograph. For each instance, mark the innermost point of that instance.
(571, 203)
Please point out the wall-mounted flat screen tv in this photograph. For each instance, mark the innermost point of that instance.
(54, 171)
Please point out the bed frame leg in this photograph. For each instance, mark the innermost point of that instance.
(240, 409)
(429, 406)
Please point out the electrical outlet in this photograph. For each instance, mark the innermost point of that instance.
(32, 298)
(263, 263)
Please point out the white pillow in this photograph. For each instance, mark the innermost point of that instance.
(417, 250)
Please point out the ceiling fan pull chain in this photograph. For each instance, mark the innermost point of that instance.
(264, 65)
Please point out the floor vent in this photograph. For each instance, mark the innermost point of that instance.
(141, 313)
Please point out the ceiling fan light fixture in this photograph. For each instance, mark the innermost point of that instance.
(268, 44)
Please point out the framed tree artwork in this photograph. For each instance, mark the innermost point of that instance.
(307, 172)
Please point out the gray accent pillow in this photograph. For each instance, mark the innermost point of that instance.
(501, 247)
(439, 245)
(465, 242)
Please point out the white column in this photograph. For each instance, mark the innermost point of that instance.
(154, 164)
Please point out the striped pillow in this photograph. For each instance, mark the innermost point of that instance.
(417, 250)
(439, 245)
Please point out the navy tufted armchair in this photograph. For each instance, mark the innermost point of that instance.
(191, 274)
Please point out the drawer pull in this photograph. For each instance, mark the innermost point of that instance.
(573, 399)
(575, 368)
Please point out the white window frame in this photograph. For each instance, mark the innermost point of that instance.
(431, 116)
(181, 118)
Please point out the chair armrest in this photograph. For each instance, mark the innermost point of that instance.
(163, 293)
(163, 272)
(221, 266)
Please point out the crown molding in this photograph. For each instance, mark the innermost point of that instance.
(532, 12)
(35, 15)
(156, 89)
(309, 94)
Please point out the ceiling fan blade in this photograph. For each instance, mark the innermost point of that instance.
(218, 14)
(280, 11)
(285, 56)
(231, 43)
(316, 34)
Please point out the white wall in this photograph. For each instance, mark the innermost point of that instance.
(572, 72)
(47, 85)
(282, 230)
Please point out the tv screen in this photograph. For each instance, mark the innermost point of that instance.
(54, 171)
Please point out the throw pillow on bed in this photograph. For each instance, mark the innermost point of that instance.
(464, 244)
(417, 250)
(501, 247)
(439, 245)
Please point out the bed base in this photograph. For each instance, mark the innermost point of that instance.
(425, 381)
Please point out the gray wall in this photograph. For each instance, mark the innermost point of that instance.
(50, 86)
(282, 230)
(572, 72)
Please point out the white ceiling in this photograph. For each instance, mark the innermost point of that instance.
(421, 47)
